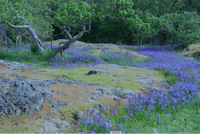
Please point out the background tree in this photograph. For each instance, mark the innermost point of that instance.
(10, 16)
(76, 13)
(181, 28)
(116, 21)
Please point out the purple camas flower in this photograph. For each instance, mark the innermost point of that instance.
(109, 125)
(127, 107)
(79, 120)
(136, 128)
(95, 129)
(72, 125)
(44, 128)
(152, 108)
(114, 111)
(173, 107)
(85, 132)
(131, 115)
(158, 115)
(166, 127)
(126, 116)
(103, 125)
(139, 108)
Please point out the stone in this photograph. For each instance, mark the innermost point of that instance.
(59, 76)
(94, 98)
(65, 75)
(92, 72)
(16, 63)
(104, 109)
(187, 49)
(53, 125)
(102, 90)
(19, 95)
(196, 55)
(99, 110)
(79, 114)
(94, 111)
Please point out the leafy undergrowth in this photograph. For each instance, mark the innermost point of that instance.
(174, 110)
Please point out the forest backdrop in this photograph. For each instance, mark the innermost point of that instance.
(131, 22)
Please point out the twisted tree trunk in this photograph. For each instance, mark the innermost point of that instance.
(31, 31)
(71, 39)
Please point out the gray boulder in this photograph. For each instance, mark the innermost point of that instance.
(93, 72)
(104, 109)
(100, 109)
(20, 95)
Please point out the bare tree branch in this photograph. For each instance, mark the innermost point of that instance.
(68, 34)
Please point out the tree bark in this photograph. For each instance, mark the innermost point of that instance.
(17, 37)
(62, 48)
(71, 39)
(51, 36)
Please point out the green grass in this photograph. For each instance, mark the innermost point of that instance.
(122, 62)
(131, 49)
(171, 79)
(80, 74)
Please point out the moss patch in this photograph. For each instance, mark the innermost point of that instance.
(102, 78)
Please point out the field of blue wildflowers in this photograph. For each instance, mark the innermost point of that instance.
(172, 111)
(176, 110)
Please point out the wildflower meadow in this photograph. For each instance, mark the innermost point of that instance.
(176, 110)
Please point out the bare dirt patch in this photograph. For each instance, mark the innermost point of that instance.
(72, 93)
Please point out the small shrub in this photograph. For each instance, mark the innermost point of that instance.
(172, 79)
(34, 49)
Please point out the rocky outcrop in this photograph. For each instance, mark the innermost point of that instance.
(17, 66)
(29, 96)
(196, 55)
(20, 95)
